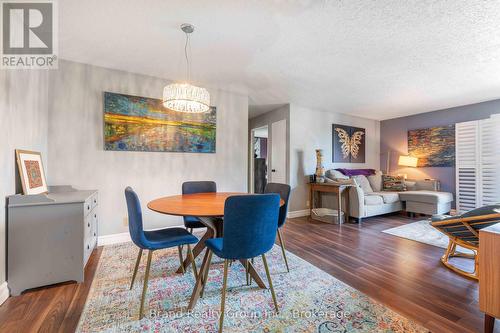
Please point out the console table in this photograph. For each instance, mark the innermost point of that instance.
(50, 237)
(489, 275)
(342, 192)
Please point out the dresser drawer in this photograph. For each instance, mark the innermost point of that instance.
(93, 226)
(87, 250)
(88, 221)
(89, 245)
(90, 226)
(94, 200)
(87, 206)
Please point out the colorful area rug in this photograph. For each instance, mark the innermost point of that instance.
(310, 300)
(423, 232)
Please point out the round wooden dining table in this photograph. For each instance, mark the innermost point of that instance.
(209, 208)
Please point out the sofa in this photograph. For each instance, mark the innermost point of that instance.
(367, 197)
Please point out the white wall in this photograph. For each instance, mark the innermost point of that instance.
(311, 130)
(23, 125)
(77, 157)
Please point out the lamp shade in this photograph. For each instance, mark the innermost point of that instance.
(410, 161)
(184, 97)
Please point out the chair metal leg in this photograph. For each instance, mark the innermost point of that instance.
(283, 249)
(270, 283)
(205, 274)
(246, 273)
(199, 282)
(181, 261)
(193, 264)
(190, 230)
(223, 296)
(145, 287)
(137, 261)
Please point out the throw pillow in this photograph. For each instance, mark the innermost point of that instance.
(410, 185)
(363, 182)
(376, 181)
(393, 183)
(334, 174)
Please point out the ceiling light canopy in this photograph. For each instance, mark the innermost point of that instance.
(185, 97)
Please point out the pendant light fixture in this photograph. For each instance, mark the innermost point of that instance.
(184, 97)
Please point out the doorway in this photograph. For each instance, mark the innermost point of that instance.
(259, 158)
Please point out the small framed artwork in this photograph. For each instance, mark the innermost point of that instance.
(31, 172)
(348, 144)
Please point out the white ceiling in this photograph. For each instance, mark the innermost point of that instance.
(375, 59)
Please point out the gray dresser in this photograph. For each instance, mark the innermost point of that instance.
(50, 237)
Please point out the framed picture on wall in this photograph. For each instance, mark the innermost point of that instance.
(348, 144)
(135, 123)
(434, 147)
(31, 172)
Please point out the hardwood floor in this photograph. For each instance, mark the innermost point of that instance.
(56, 308)
(404, 275)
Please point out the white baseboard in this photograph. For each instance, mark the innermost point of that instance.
(113, 239)
(4, 292)
(122, 237)
(298, 213)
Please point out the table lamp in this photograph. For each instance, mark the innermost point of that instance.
(407, 161)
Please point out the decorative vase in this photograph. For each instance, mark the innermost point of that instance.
(320, 169)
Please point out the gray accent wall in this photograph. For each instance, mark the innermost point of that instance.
(76, 155)
(394, 137)
(23, 125)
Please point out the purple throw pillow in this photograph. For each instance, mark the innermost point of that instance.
(356, 172)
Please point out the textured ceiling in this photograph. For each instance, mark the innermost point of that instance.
(375, 59)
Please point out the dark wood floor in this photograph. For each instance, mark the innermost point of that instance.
(404, 275)
(50, 309)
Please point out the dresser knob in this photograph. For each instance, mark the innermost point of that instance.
(88, 247)
(88, 224)
(94, 233)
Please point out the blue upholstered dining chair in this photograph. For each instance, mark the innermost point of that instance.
(192, 222)
(153, 240)
(250, 226)
(284, 191)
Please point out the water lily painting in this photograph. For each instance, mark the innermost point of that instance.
(133, 123)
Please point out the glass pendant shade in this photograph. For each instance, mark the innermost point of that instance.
(184, 97)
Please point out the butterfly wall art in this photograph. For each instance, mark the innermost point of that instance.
(348, 144)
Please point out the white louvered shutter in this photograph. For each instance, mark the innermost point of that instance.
(467, 165)
(477, 163)
(489, 160)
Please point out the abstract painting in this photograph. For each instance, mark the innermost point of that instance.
(34, 173)
(434, 147)
(133, 123)
(348, 144)
(31, 172)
